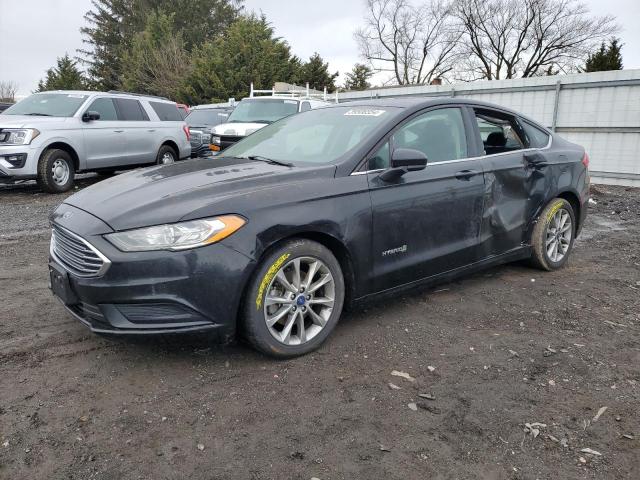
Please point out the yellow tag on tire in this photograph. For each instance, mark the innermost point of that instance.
(268, 277)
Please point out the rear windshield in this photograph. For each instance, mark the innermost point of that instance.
(263, 111)
(210, 116)
(167, 112)
(48, 105)
(317, 136)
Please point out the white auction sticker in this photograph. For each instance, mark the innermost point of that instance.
(364, 112)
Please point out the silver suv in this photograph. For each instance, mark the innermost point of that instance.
(50, 136)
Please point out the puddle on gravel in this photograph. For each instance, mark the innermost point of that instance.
(598, 224)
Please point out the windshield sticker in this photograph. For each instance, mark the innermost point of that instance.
(364, 112)
(291, 102)
(72, 95)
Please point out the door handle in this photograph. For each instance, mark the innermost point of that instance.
(151, 130)
(466, 174)
(118, 131)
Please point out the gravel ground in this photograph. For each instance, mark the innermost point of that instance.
(493, 351)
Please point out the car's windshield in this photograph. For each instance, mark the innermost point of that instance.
(316, 136)
(210, 116)
(48, 104)
(263, 110)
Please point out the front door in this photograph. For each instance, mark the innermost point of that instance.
(427, 222)
(104, 139)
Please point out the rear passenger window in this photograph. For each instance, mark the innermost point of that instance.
(130, 110)
(167, 112)
(536, 137)
(439, 134)
(500, 132)
(305, 106)
(104, 106)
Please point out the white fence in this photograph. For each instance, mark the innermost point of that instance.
(600, 111)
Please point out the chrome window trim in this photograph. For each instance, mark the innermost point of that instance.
(106, 263)
(458, 160)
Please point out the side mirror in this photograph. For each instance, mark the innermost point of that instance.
(404, 160)
(90, 115)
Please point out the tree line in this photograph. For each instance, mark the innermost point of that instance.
(202, 51)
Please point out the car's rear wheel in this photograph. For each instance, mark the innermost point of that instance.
(55, 171)
(553, 235)
(166, 155)
(294, 300)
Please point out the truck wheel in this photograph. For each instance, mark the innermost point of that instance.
(166, 155)
(55, 171)
(553, 235)
(294, 300)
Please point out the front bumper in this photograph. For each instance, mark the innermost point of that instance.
(154, 292)
(27, 171)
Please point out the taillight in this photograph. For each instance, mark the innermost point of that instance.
(585, 160)
(186, 132)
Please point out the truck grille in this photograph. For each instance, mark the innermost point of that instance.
(76, 254)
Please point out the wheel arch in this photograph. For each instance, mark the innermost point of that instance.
(574, 201)
(173, 145)
(67, 148)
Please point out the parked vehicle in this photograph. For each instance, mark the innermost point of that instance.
(255, 112)
(51, 136)
(201, 120)
(331, 206)
(183, 109)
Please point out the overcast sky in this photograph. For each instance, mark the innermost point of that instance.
(33, 33)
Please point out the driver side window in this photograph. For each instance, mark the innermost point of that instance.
(106, 109)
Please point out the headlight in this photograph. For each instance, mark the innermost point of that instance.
(177, 236)
(18, 136)
(206, 138)
(215, 140)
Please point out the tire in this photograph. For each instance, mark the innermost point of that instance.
(318, 315)
(56, 171)
(163, 154)
(546, 230)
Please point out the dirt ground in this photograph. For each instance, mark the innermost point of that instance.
(496, 351)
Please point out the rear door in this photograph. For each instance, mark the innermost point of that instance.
(427, 222)
(105, 139)
(139, 130)
(508, 198)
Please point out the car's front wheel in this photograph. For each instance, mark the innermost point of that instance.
(294, 300)
(55, 171)
(553, 235)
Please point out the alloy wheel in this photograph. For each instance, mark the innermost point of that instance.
(559, 233)
(167, 158)
(299, 301)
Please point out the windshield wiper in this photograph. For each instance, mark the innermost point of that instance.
(39, 114)
(272, 161)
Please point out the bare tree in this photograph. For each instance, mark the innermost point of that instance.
(413, 44)
(8, 91)
(525, 38)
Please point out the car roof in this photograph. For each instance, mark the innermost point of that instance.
(419, 103)
(136, 96)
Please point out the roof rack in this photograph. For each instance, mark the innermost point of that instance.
(120, 92)
(293, 91)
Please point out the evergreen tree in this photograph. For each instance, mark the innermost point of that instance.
(606, 58)
(64, 76)
(358, 78)
(247, 52)
(315, 72)
(112, 26)
(157, 62)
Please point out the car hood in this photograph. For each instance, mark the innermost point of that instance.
(237, 129)
(186, 190)
(28, 121)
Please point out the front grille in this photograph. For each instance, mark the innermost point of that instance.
(76, 254)
(196, 138)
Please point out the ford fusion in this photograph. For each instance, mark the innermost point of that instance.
(328, 208)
